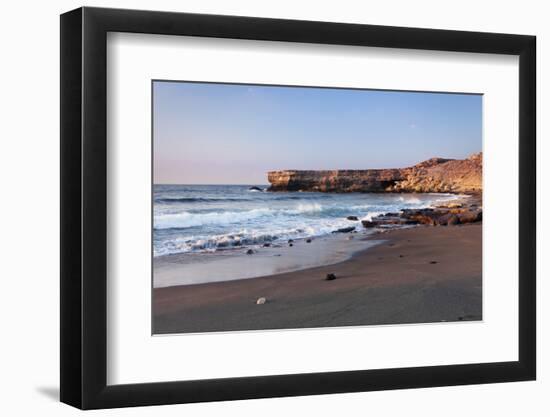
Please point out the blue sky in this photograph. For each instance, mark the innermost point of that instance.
(233, 134)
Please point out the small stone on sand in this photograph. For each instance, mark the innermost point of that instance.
(290, 244)
(249, 252)
(433, 262)
(261, 300)
(330, 277)
(308, 240)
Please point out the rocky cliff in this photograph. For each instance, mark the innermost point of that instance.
(436, 175)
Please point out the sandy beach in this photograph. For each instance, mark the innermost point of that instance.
(423, 274)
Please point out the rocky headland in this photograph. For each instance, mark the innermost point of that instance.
(435, 175)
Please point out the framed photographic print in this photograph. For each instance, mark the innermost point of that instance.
(258, 207)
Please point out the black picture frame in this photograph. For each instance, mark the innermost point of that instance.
(84, 207)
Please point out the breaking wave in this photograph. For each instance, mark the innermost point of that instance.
(213, 218)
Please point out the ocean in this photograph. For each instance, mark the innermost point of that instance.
(216, 218)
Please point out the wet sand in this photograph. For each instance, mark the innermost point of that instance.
(234, 264)
(418, 275)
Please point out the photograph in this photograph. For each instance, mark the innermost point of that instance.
(294, 207)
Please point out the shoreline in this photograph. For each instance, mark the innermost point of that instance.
(233, 263)
(421, 274)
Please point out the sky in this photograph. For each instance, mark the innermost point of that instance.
(206, 133)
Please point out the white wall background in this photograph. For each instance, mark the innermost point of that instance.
(29, 171)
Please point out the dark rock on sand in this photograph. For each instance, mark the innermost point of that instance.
(353, 218)
(393, 220)
(422, 216)
(291, 244)
(445, 219)
(453, 220)
(388, 220)
(450, 215)
(308, 240)
(470, 216)
(266, 245)
(330, 277)
(344, 230)
(249, 252)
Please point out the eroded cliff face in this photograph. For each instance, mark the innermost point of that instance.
(436, 175)
(439, 175)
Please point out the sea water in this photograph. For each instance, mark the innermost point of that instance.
(215, 218)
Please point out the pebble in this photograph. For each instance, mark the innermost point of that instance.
(249, 252)
(330, 277)
(261, 300)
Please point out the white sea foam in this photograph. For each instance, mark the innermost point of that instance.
(186, 219)
(307, 208)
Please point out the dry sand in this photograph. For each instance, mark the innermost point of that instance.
(418, 275)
